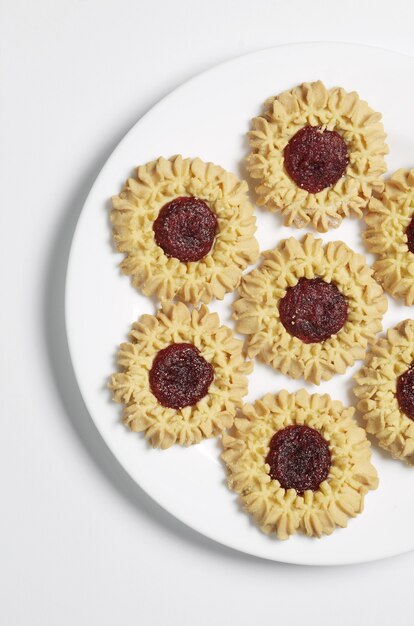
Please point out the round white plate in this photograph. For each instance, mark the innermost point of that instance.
(208, 117)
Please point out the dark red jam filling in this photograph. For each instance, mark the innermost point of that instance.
(185, 229)
(405, 392)
(313, 310)
(410, 235)
(180, 376)
(299, 458)
(315, 158)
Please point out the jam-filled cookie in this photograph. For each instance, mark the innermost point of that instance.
(183, 376)
(318, 155)
(390, 234)
(385, 388)
(310, 309)
(187, 228)
(299, 462)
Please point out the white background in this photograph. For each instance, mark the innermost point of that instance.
(80, 544)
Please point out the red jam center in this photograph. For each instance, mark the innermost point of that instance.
(315, 158)
(180, 376)
(299, 458)
(313, 310)
(185, 229)
(410, 235)
(405, 392)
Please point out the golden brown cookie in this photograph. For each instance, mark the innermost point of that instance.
(385, 389)
(318, 155)
(183, 375)
(187, 228)
(390, 234)
(310, 309)
(299, 462)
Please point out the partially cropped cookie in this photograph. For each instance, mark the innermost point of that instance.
(390, 234)
(310, 309)
(187, 228)
(183, 376)
(299, 462)
(318, 154)
(385, 388)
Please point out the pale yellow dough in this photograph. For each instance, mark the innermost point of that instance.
(175, 323)
(257, 309)
(376, 387)
(137, 207)
(334, 109)
(284, 512)
(387, 219)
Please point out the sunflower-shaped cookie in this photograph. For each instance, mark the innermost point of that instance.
(385, 388)
(318, 155)
(299, 462)
(183, 376)
(390, 234)
(187, 228)
(310, 310)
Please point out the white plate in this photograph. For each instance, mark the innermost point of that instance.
(208, 117)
